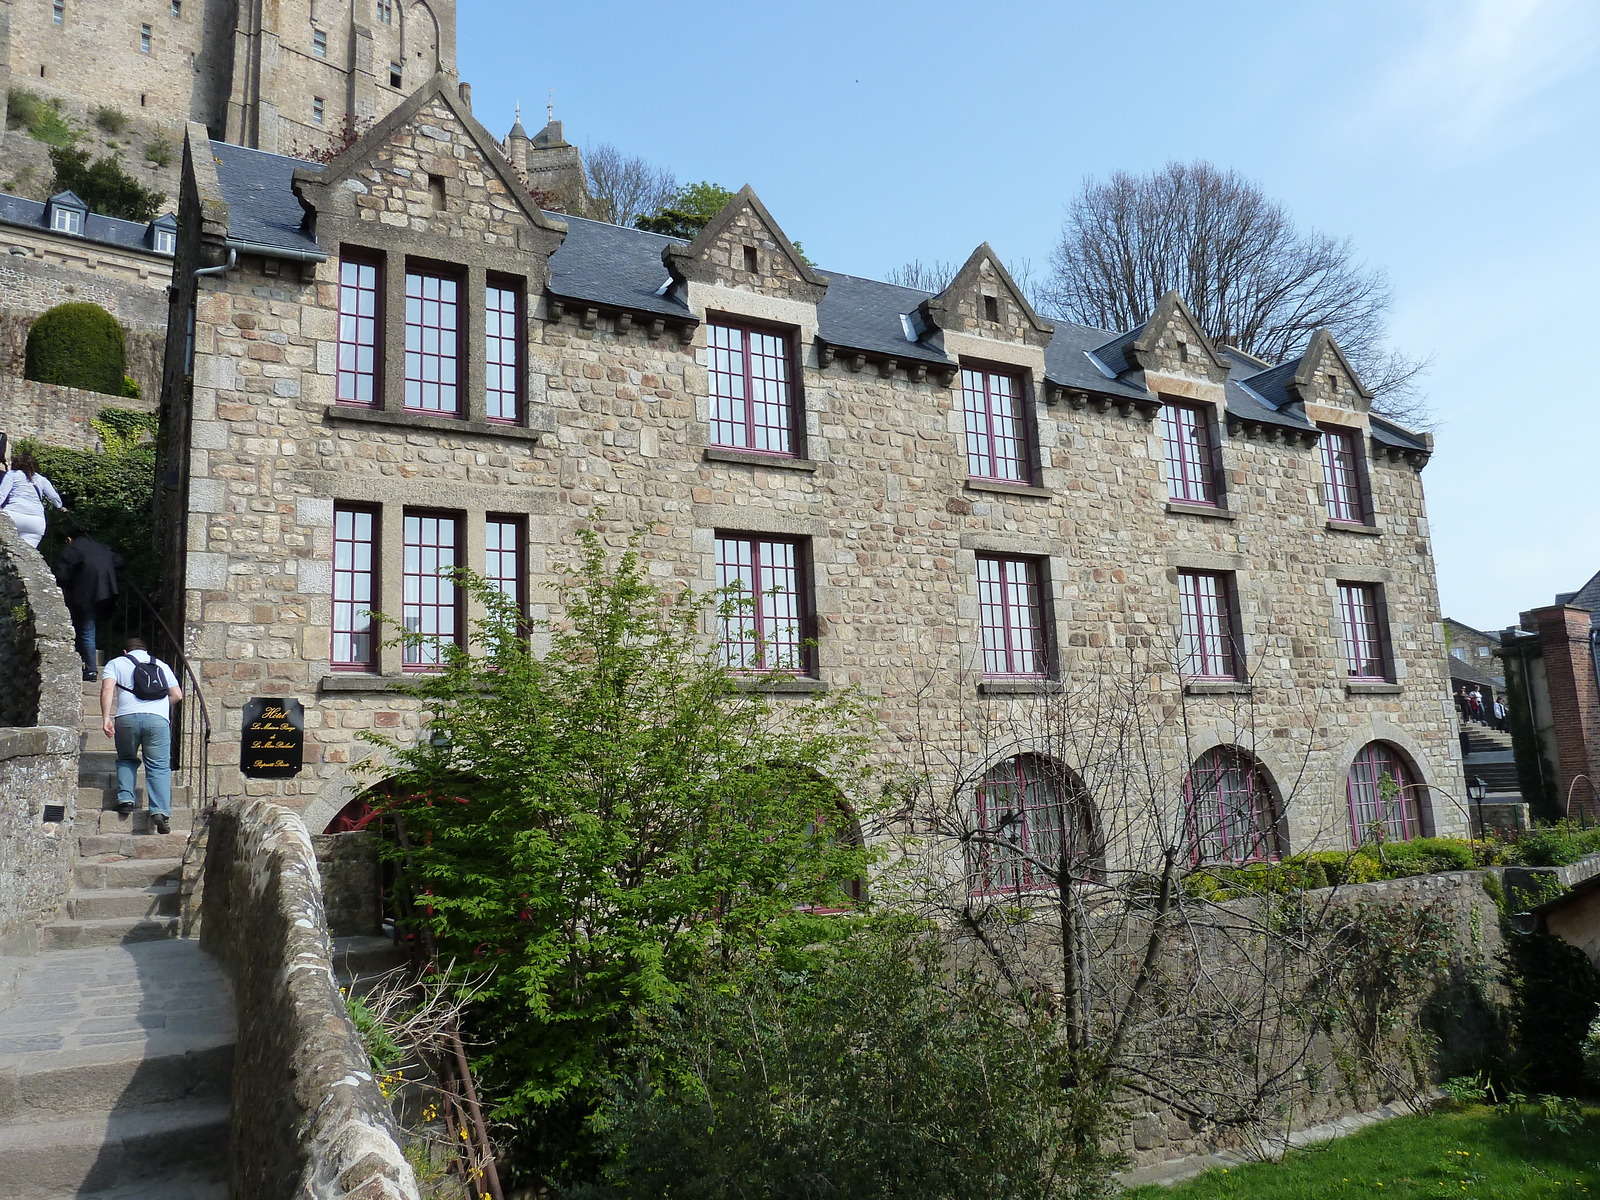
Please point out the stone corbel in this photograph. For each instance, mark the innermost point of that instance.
(856, 362)
(557, 311)
(1148, 409)
(824, 354)
(624, 322)
(657, 327)
(946, 376)
(1102, 404)
(886, 367)
(591, 317)
(918, 372)
(686, 334)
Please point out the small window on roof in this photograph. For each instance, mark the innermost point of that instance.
(66, 220)
(166, 241)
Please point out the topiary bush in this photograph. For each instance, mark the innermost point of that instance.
(78, 345)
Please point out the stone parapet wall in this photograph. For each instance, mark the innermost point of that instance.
(309, 1120)
(40, 711)
(55, 415)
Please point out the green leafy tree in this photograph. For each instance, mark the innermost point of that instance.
(690, 210)
(867, 1067)
(596, 823)
(103, 185)
(77, 345)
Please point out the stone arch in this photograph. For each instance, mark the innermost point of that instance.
(1233, 808)
(419, 37)
(337, 790)
(1406, 815)
(1029, 809)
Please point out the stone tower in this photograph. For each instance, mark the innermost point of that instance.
(277, 75)
(550, 165)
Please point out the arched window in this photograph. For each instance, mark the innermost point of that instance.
(1383, 791)
(1231, 814)
(1033, 817)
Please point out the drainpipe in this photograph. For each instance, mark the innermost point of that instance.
(233, 261)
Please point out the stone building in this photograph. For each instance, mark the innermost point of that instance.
(275, 74)
(400, 364)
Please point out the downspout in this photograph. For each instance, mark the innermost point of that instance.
(233, 261)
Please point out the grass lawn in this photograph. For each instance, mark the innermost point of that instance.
(1474, 1154)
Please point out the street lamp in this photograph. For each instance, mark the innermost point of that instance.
(1477, 789)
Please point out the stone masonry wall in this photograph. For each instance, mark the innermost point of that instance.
(39, 717)
(57, 416)
(880, 500)
(308, 1119)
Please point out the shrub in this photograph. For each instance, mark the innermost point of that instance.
(1556, 845)
(112, 120)
(77, 345)
(110, 495)
(103, 185)
(40, 117)
(158, 151)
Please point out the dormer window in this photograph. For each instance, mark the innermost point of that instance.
(164, 235)
(66, 220)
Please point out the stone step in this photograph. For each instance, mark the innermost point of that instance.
(128, 873)
(187, 1184)
(110, 931)
(92, 796)
(109, 821)
(100, 903)
(52, 1159)
(162, 1068)
(100, 846)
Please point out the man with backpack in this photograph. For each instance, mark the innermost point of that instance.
(136, 697)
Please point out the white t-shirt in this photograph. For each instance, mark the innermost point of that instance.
(121, 670)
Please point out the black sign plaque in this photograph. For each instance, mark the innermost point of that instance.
(273, 746)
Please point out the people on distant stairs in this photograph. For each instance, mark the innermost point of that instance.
(87, 572)
(23, 493)
(137, 693)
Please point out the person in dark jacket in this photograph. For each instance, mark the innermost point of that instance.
(87, 572)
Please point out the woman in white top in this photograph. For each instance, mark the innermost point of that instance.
(23, 492)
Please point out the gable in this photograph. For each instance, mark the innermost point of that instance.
(1326, 379)
(984, 301)
(1172, 343)
(743, 247)
(427, 173)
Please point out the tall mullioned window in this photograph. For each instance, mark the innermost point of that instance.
(1230, 811)
(432, 328)
(503, 565)
(1383, 793)
(1191, 470)
(997, 438)
(1033, 818)
(430, 602)
(752, 400)
(1341, 475)
(385, 11)
(355, 573)
(1360, 621)
(1011, 616)
(358, 332)
(1206, 637)
(502, 352)
(764, 633)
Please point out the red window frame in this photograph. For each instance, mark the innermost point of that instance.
(1207, 632)
(767, 632)
(750, 373)
(1011, 623)
(1229, 809)
(502, 350)
(1366, 650)
(1191, 454)
(998, 443)
(505, 557)
(1401, 817)
(353, 643)
(360, 370)
(1342, 485)
(433, 341)
(1041, 814)
(430, 601)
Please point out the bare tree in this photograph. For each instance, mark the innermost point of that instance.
(935, 276)
(1253, 279)
(624, 186)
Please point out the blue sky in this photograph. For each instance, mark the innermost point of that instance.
(1452, 140)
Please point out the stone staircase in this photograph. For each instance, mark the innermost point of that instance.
(116, 1043)
(1489, 758)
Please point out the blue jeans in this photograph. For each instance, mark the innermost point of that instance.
(84, 619)
(149, 736)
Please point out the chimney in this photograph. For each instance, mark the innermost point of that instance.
(466, 94)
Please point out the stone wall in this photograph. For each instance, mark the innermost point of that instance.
(309, 1120)
(40, 712)
(350, 881)
(58, 416)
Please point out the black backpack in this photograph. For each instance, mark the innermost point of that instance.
(148, 683)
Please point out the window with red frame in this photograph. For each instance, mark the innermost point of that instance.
(1383, 794)
(359, 289)
(503, 565)
(355, 575)
(752, 400)
(1365, 655)
(840, 827)
(1011, 616)
(1341, 475)
(1207, 641)
(1032, 818)
(430, 599)
(997, 435)
(1230, 811)
(1191, 467)
(433, 326)
(765, 631)
(502, 352)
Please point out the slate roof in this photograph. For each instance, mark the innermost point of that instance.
(1588, 596)
(108, 231)
(262, 207)
(611, 265)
